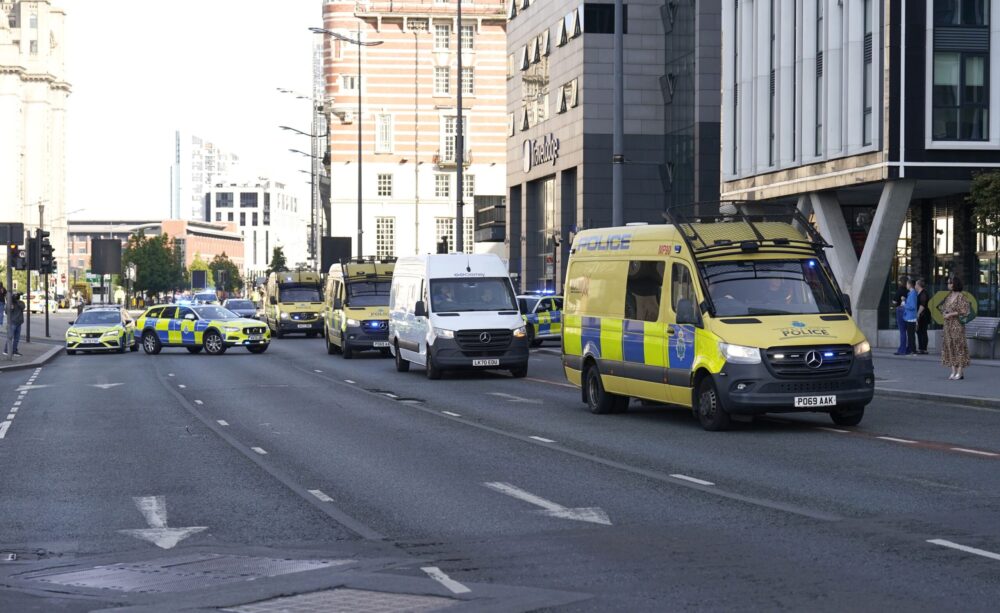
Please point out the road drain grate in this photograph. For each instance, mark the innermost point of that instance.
(347, 600)
(181, 573)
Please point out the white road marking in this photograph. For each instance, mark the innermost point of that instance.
(315, 370)
(321, 496)
(198, 402)
(4, 425)
(591, 514)
(11, 416)
(154, 509)
(438, 575)
(259, 450)
(17, 403)
(896, 440)
(222, 422)
(348, 381)
(106, 386)
(170, 374)
(29, 387)
(985, 453)
(543, 440)
(391, 395)
(692, 479)
(513, 398)
(833, 430)
(973, 550)
(451, 414)
(13, 410)
(181, 385)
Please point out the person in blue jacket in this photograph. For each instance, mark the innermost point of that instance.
(910, 308)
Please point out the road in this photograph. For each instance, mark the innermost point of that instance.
(508, 487)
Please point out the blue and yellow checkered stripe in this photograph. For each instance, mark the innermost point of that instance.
(630, 341)
(545, 323)
(172, 332)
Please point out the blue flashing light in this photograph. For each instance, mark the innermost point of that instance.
(827, 354)
(677, 248)
(812, 263)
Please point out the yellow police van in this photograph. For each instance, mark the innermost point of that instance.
(293, 303)
(356, 307)
(733, 315)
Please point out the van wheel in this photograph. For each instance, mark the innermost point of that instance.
(848, 416)
(401, 364)
(121, 344)
(346, 351)
(71, 352)
(330, 347)
(150, 343)
(433, 370)
(520, 372)
(599, 401)
(134, 346)
(711, 413)
(192, 349)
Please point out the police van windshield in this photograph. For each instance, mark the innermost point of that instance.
(458, 295)
(770, 287)
(299, 293)
(368, 293)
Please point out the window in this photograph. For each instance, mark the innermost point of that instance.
(218, 216)
(33, 47)
(442, 80)
(385, 237)
(230, 216)
(384, 185)
(468, 187)
(772, 101)
(442, 37)
(449, 137)
(960, 96)
(468, 233)
(383, 133)
(255, 219)
(819, 76)
(681, 286)
(348, 83)
(248, 200)
(468, 36)
(243, 219)
(224, 200)
(961, 12)
(444, 227)
(468, 81)
(33, 19)
(643, 287)
(600, 19)
(866, 76)
(442, 185)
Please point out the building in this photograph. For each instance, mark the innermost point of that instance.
(33, 97)
(198, 164)
(560, 92)
(872, 116)
(265, 214)
(409, 85)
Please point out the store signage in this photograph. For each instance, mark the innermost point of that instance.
(540, 150)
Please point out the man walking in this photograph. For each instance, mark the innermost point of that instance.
(16, 319)
(923, 315)
(899, 305)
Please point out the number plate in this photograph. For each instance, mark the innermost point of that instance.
(486, 362)
(256, 337)
(815, 401)
(91, 341)
(305, 325)
(380, 344)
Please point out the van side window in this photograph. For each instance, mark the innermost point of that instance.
(682, 295)
(643, 289)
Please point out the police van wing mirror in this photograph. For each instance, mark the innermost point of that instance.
(847, 303)
(420, 309)
(189, 316)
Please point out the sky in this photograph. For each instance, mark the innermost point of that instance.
(141, 70)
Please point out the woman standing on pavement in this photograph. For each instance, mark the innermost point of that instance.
(910, 308)
(954, 348)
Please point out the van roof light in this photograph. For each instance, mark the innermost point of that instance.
(749, 246)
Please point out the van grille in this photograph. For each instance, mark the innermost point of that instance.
(304, 316)
(483, 340)
(810, 361)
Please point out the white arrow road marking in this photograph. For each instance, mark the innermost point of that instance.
(438, 575)
(513, 398)
(592, 514)
(154, 509)
(106, 386)
(29, 387)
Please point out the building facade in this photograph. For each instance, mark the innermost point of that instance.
(266, 215)
(198, 164)
(872, 116)
(408, 85)
(33, 100)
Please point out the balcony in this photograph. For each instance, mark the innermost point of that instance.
(444, 160)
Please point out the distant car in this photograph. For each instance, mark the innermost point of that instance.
(38, 304)
(542, 317)
(197, 327)
(205, 298)
(242, 307)
(101, 329)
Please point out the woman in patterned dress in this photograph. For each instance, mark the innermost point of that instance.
(954, 348)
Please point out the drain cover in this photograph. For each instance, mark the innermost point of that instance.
(182, 573)
(347, 600)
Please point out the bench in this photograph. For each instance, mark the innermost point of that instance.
(984, 329)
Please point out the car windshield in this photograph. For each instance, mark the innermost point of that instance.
(214, 312)
(368, 293)
(299, 293)
(457, 295)
(527, 304)
(205, 297)
(770, 287)
(99, 318)
(239, 304)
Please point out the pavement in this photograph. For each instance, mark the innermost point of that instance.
(41, 349)
(923, 377)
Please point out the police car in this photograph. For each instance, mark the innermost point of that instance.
(542, 317)
(198, 327)
(101, 329)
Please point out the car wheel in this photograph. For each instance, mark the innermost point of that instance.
(71, 352)
(214, 345)
(194, 349)
(519, 372)
(257, 348)
(134, 346)
(599, 401)
(711, 413)
(433, 370)
(150, 343)
(330, 347)
(402, 365)
(848, 416)
(346, 350)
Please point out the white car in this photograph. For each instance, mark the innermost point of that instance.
(37, 305)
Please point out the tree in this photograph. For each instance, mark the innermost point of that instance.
(233, 281)
(198, 263)
(984, 195)
(159, 267)
(278, 262)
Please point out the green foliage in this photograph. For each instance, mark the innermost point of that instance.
(158, 263)
(233, 281)
(278, 261)
(984, 195)
(198, 263)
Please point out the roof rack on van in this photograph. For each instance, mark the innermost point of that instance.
(745, 226)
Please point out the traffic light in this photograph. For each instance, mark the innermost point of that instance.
(45, 263)
(15, 257)
(32, 251)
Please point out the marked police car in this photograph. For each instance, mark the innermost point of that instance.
(198, 327)
(101, 329)
(542, 317)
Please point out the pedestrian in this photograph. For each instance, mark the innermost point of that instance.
(3, 302)
(898, 304)
(79, 303)
(954, 348)
(923, 316)
(16, 315)
(910, 308)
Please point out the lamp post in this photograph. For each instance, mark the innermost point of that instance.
(318, 227)
(360, 44)
(312, 191)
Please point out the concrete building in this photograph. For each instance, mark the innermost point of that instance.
(409, 85)
(872, 116)
(33, 100)
(265, 214)
(198, 163)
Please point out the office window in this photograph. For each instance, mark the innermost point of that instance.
(385, 237)
(442, 80)
(248, 200)
(243, 219)
(600, 19)
(230, 216)
(444, 227)
(960, 96)
(468, 81)
(449, 137)
(254, 219)
(348, 82)
(468, 187)
(384, 187)
(643, 287)
(442, 185)
(866, 75)
(33, 47)
(383, 133)
(961, 12)
(442, 36)
(468, 36)
(218, 216)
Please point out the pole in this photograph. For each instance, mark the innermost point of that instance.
(618, 122)
(8, 302)
(27, 311)
(416, 144)
(360, 224)
(459, 148)
(45, 303)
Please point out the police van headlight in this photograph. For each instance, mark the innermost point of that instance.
(520, 332)
(444, 333)
(863, 350)
(284, 315)
(739, 354)
(353, 322)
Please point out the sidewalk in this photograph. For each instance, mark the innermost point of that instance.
(33, 354)
(924, 378)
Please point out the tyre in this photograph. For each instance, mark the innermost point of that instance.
(402, 365)
(848, 416)
(71, 352)
(194, 349)
(278, 333)
(121, 344)
(433, 370)
(346, 350)
(530, 333)
(520, 372)
(134, 346)
(214, 345)
(330, 347)
(599, 401)
(257, 348)
(711, 413)
(151, 343)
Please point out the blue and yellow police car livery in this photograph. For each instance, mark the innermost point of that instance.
(731, 315)
(198, 327)
(100, 329)
(542, 317)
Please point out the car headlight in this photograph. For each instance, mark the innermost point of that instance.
(72, 333)
(353, 322)
(231, 329)
(284, 315)
(739, 354)
(520, 332)
(863, 350)
(111, 333)
(444, 333)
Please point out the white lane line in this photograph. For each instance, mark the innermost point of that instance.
(17, 403)
(14, 410)
(259, 450)
(11, 416)
(985, 453)
(833, 430)
(978, 552)
(222, 422)
(692, 479)
(513, 398)
(348, 381)
(391, 395)
(438, 575)
(170, 374)
(198, 402)
(3, 428)
(451, 414)
(897, 440)
(543, 440)
(552, 509)
(181, 385)
(321, 496)
(315, 370)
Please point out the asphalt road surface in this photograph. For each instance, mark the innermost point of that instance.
(493, 481)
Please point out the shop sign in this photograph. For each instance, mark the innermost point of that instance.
(540, 150)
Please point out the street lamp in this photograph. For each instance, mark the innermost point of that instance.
(360, 44)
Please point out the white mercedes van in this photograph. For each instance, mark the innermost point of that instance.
(455, 312)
